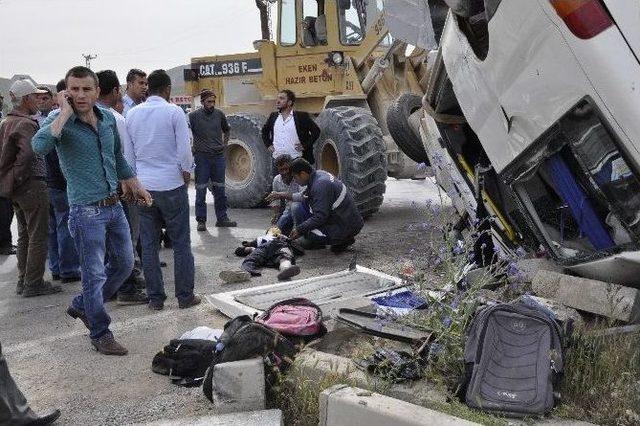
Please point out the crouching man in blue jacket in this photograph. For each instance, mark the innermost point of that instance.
(329, 215)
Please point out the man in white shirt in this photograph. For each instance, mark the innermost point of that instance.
(289, 132)
(128, 294)
(160, 149)
(137, 87)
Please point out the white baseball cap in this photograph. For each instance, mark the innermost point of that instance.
(23, 88)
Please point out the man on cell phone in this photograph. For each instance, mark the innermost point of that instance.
(88, 146)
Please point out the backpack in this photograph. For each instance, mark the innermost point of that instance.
(294, 318)
(184, 361)
(514, 360)
(244, 338)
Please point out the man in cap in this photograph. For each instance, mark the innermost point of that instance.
(22, 179)
(210, 137)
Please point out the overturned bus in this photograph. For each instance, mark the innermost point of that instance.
(539, 100)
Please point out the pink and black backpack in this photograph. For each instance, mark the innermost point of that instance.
(294, 318)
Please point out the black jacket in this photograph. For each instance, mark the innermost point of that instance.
(334, 212)
(308, 132)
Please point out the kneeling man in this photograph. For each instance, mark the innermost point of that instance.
(330, 215)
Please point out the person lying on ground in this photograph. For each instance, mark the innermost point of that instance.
(329, 216)
(286, 195)
(272, 250)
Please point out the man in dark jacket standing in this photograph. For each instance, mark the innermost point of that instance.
(210, 137)
(331, 216)
(290, 132)
(22, 179)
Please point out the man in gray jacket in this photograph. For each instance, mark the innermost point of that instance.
(332, 216)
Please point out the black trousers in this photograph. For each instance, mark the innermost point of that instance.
(14, 408)
(6, 217)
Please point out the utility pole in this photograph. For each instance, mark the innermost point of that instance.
(88, 58)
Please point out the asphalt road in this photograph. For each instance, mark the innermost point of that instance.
(51, 359)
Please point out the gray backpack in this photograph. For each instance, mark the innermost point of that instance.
(513, 357)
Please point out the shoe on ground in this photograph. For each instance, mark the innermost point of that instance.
(202, 226)
(155, 305)
(289, 273)
(195, 300)
(226, 223)
(339, 248)
(77, 314)
(42, 288)
(107, 345)
(8, 250)
(307, 244)
(20, 287)
(234, 277)
(138, 298)
(139, 282)
(45, 420)
(55, 277)
(71, 279)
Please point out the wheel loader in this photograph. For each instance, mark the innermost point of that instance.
(338, 57)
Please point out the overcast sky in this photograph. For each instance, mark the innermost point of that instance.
(44, 38)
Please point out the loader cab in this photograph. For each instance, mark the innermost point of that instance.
(324, 25)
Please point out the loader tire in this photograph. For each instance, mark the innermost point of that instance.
(351, 147)
(248, 174)
(401, 132)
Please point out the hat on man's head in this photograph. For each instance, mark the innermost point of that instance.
(23, 88)
(206, 93)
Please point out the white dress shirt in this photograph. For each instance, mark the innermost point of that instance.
(159, 145)
(285, 137)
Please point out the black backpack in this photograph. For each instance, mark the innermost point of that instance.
(184, 361)
(243, 339)
(514, 360)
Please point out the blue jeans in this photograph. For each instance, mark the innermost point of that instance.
(300, 213)
(172, 207)
(63, 257)
(287, 221)
(96, 231)
(210, 168)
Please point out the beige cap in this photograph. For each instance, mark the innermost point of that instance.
(23, 88)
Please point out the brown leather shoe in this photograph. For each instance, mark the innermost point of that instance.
(195, 300)
(107, 345)
(76, 314)
(41, 288)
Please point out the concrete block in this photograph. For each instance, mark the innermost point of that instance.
(341, 405)
(262, 418)
(600, 298)
(529, 267)
(560, 312)
(239, 386)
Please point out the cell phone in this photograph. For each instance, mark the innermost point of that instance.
(70, 100)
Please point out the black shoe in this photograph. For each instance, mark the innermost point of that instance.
(226, 223)
(202, 226)
(288, 273)
(307, 244)
(45, 420)
(55, 277)
(339, 248)
(8, 250)
(132, 299)
(195, 300)
(42, 288)
(76, 314)
(155, 306)
(72, 279)
(163, 264)
(139, 282)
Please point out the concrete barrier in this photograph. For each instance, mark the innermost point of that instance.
(239, 386)
(341, 405)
